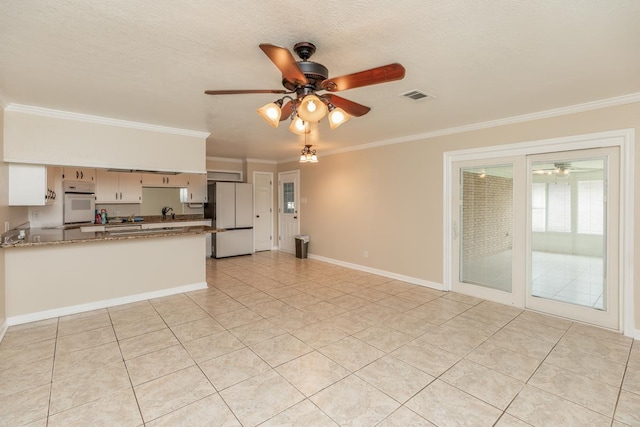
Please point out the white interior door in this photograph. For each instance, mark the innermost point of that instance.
(263, 202)
(572, 235)
(288, 211)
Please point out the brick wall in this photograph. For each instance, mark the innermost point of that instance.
(487, 220)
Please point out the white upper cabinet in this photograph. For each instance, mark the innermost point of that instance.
(118, 187)
(162, 180)
(31, 185)
(79, 174)
(197, 188)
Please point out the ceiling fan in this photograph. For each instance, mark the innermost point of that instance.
(564, 168)
(304, 79)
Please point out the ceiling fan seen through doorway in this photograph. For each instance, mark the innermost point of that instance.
(304, 79)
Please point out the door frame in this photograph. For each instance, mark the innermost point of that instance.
(280, 197)
(270, 206)
(624, 139)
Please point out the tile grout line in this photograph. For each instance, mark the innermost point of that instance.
(53, 367)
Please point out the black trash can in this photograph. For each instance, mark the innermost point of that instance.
(302, 245)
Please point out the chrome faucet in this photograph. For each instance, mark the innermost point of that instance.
(166, 210)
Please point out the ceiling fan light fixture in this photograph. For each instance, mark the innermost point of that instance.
(299, 126)
(337, 116)
(308, 155)
(271, 113)
(312, 109)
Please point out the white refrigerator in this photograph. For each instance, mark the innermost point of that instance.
(233, 211)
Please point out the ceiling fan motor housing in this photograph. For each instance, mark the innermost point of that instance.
(314, 72)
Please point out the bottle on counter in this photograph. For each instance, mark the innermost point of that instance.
(103, 214)
(98, 217)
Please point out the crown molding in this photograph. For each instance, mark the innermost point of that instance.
(230, 160)
(224, 159)
(86, 118)
(269, 162)
(556, 112)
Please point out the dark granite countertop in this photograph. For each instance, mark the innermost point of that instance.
(57, 236)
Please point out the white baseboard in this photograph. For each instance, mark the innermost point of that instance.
(636, 334)
(65, 311)
(383, 273)
(3, 329)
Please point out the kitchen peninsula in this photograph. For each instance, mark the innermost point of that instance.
(71, 270)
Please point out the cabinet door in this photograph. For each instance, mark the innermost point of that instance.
(130, 187)
(27, 185)
(53, 172)
(179, 180)
(197, 188)
(153, 180)
(107, 188)
(159, 180)
(79, 174)
(88, 175)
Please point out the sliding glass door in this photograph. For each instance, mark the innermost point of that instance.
(572, 235)
(539, 231)
(485, 204)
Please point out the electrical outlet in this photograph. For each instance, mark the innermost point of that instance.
(6, 226)
(34, 215)
(365, 253)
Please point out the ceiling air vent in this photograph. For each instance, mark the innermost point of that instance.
(417, 95)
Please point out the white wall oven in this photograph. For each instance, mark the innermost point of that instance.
(79, 202)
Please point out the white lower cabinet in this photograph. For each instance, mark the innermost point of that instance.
(118, 187)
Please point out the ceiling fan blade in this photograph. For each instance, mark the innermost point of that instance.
(240, 92)
(350, 107)
(286, 111)
(386, 73)
(285, 62)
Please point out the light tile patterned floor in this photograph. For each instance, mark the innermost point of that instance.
(280, 341)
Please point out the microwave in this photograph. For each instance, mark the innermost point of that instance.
(79, 202)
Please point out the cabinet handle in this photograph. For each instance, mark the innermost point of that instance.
(81, 175)
(77, 175)
(167, 180)
(120, 195)
(116, 195)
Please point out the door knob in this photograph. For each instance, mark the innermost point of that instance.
(257, 216)
(295, 217)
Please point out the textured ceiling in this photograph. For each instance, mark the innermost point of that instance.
(150, 61)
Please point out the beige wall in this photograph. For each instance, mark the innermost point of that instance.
(85, 273)
(388, 200)
(15, 216)
(38, 139)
